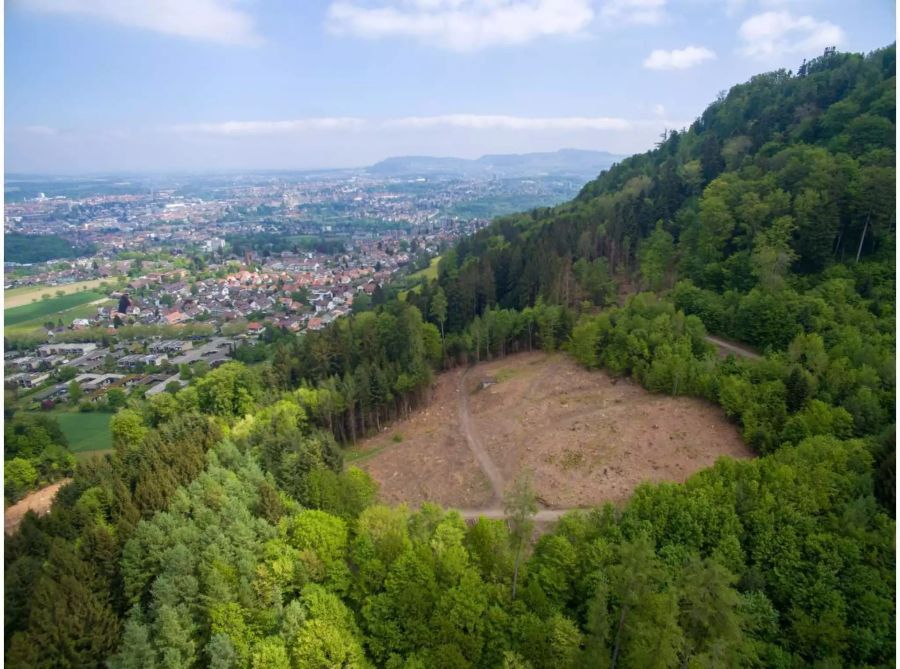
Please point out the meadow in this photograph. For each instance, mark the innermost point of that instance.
(17, 297)
(49, 307)
(85, 431)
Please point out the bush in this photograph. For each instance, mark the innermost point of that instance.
(19, 476)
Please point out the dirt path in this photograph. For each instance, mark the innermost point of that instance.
(481, 455)
(490, 469)
(39, 501)
(739, 350)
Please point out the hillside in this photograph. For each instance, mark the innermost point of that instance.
(225, 531)
(784, 177)
(771, 218)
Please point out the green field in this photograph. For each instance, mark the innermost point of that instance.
(16, 297)
(44, 308)
(429, 272)
(36, 325)
(85, 431)
(418, 278)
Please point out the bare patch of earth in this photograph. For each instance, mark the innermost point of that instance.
(39, 501)
(590, 438)
(587, 437)
(431, 462)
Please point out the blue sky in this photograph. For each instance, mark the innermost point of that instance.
(155, 85)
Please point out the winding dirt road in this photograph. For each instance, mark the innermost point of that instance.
(725, 347)
(481, 455)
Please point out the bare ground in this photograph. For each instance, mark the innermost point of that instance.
(432, 463)
(587, 437)
(590, 438)
(39, 501)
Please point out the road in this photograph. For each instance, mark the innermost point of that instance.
(481, 455)
(490, 469)
(737, 349)
(39, 501)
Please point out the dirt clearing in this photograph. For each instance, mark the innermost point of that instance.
(39, 501)
(426, 458)
(587, 437)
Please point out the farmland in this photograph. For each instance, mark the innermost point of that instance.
(49, 307)
(17, 297)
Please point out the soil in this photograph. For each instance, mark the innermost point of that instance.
(431, 461)
(587, 437)
(39, 501)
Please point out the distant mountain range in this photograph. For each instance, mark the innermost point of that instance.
(565, 162)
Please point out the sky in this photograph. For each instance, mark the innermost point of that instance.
(102, 86)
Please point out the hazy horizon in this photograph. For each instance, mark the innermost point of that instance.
(13, 175)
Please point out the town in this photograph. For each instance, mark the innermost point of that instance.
(138, 285)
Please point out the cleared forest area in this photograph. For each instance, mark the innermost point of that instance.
(589, 438)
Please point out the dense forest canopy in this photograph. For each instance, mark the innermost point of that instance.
(225, 531)
(778, 180)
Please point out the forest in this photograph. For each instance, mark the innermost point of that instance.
(226, 531)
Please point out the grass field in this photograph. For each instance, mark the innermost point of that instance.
(44, 308)
(36, 325)
(17, 297)
(85, 431)
(426, 274)
(429, 272)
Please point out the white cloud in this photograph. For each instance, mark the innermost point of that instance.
(42, 130)
(238, 128)
(678, 59)
(501, 122)
(772, 34)
(461, 25)
(207, 20)
(659, 110)
(464, 121)
(641, 12)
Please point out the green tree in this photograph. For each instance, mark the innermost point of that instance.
(655, 254)
(709, 614)
(520, 506)
(128, 430)
(116, 398)
(75, 393)
(439, 308)
(19, 476)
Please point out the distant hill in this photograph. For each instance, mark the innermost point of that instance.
(565, 162)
